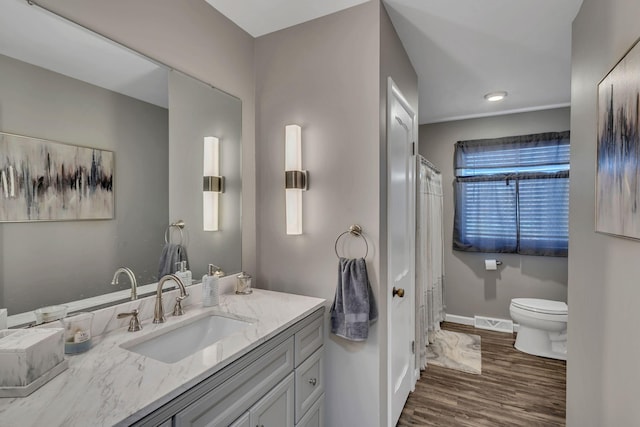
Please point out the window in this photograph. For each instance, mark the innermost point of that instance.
(512, 195)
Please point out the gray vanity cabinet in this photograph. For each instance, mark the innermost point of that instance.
(222, 405)
(278, 384)
(314, 416)
(274, 409)
(309, 383)
(309, 373)
(243, 421)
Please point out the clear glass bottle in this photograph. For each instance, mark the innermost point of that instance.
(184, 274)
(243, 284)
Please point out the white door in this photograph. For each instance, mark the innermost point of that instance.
(401, 133)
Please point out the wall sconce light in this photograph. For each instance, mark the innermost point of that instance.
(296, 179)
(212, 184)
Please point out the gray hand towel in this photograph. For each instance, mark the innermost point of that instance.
(171, 254)
(354, 307)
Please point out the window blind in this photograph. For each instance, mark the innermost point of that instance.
(512, 195)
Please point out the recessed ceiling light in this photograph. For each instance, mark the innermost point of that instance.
(495, 96)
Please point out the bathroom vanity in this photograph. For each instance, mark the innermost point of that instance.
(278, 384)
(269, 372)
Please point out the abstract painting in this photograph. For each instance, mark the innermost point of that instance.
(42, 180)
(618, 152)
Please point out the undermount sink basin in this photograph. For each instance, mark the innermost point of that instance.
(173, 344)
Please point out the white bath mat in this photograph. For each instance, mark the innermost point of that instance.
(455, 350)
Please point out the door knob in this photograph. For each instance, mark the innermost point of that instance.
(399, 292)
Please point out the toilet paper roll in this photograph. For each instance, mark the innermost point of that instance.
(490, 264)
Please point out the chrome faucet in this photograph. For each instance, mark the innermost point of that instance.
(158, 313)
(132, 279)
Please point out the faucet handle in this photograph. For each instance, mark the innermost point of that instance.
(177, 309)
(134, 323)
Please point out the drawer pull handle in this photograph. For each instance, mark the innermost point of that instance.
(313, 381)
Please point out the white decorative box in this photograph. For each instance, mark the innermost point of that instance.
(29, 358)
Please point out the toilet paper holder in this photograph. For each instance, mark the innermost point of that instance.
(492, 264)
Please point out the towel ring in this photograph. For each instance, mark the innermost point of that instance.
(167, 233)
(354, 230)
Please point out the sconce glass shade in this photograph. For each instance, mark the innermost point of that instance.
(293, 162)
(294, 210)
(210, 199)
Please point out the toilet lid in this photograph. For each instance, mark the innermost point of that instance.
(541, 305)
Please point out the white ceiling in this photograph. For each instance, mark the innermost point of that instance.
(33, 35)
(260, 17)
(461, 49)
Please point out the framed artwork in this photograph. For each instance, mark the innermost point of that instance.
(43, 180)
(618, 149)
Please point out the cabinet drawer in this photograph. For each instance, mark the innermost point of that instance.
(227, 402)
(315, 416)
(309, 383)
(309, 339)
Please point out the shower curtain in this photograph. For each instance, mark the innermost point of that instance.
(429, 253)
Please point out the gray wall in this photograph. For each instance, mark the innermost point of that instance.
(323, 75)
(470, 289)
(195, 111)
(603, 379)
(329, 76)
(193, 37)
(52, 262)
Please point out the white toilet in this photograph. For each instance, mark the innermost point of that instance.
(543, 326)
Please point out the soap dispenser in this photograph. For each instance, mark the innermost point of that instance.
(210, 287)
(184, 274)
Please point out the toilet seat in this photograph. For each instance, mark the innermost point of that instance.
(542, 306)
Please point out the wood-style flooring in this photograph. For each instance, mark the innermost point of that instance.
(514, 389)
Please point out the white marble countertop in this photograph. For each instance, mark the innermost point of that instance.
(108, 384)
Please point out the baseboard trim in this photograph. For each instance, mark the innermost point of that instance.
(462, 320)
(469, 321)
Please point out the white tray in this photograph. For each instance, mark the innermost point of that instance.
(22, 391)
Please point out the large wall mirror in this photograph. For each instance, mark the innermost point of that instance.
(60, 82)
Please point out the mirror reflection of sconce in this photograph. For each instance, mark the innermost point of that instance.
(212, 184)
(296, 179)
